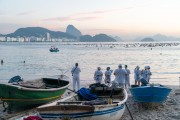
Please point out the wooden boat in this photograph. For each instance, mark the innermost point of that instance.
(76, 107)
(32, 93)
(150, 93)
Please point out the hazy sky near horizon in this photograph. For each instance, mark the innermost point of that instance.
(115, 17)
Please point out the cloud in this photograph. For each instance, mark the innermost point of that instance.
(85, 15)
(58, 19)
(1, 13)
(105, 11)
(26, 13)
(71, 18)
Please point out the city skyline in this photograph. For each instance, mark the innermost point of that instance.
(130, 18)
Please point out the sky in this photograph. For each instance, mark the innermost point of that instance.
(124, 18)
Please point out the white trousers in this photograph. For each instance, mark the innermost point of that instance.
(76, 82)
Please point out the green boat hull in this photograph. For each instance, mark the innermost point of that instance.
(17, 96)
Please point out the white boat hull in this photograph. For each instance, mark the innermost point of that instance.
(100, 113)
(70, 108)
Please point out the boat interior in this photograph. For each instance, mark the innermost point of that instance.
(43, 83)
(104, 95)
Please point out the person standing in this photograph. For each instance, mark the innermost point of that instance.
(137, 75)
(127, 77)
(148, 74)
(120, 76)
(2, 62)
(76, 76)
(108, 75)
(98, 75)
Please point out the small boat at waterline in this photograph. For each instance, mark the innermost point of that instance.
(54, 49)
(151, 93)
(76, 107)
(34, 92)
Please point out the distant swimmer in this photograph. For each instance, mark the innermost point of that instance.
(2, 62)
(24, 61)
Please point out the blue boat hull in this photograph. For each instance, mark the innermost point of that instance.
(151, 94)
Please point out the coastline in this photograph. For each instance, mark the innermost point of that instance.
(169, 110)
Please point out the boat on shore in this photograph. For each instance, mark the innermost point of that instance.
(150, 93)
(109, 105)
(32, 93)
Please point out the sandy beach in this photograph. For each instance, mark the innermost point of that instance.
(169, 110)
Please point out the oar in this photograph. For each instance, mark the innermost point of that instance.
(129, 111)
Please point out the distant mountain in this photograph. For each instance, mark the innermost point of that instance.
(73, 31)
(159, 37)
(147, 40)
(39, 32)
(97, 38)
(117, 38)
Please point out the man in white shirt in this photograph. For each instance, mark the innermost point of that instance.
(127, 77)
(120, 76)
(108, 75)
(76, 77)
(98, 75)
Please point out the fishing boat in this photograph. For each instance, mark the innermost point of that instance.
(32, 93)
(150, 93)
(109, 105)
(54, 49)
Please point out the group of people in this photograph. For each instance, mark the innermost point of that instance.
(144, 73)
(122, 76)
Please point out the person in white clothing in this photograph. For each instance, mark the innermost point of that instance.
(127, 77)
(108, 75)
(120, 76)
(98, 75)
(76, 77)
(137, 75)
(148, 74)
(145, 73)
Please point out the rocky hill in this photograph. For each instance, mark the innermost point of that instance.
(97, 38)
(73, 31)
(147, 40)
(39, 32)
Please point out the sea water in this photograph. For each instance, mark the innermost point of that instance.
(33, 60)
